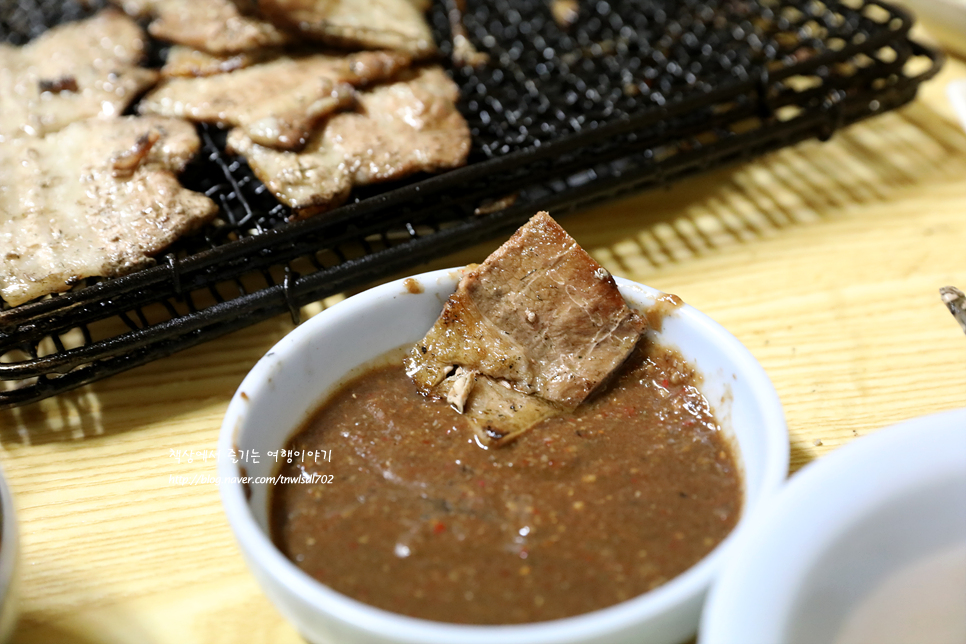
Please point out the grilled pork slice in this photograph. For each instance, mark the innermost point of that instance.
(276, 103)
(215, 26)
(370, 24)
(73, 72)
(190, 62)
(540, 323)
(404, 127)
(97, 198)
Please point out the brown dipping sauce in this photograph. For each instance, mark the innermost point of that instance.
(581, 512)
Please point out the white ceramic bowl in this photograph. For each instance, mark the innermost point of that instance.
(856, 547)
(9, 555)
(293, 378)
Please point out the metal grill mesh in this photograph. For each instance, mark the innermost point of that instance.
(634, 94)
(630, 56)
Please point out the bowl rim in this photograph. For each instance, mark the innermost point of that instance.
(688, 585)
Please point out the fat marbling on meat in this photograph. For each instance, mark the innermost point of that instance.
(72, 72)
(530, 332)
(371, 24)
(276, 103)
(97, 198)
(215, 26)
(407, 126)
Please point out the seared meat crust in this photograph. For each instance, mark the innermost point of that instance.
(411, 125)
(370, 24)
(277, 103)
(98, 198)
(184, 61)
(215, 26)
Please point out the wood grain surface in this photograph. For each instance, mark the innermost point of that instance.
(825, 260)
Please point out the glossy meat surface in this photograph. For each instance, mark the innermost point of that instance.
(277, 103)
(411, 125)
(371, 24)
(73, 72)
(98, 198)
(184, 61)
(216, 26)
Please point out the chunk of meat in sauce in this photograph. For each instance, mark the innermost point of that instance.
(540, 317)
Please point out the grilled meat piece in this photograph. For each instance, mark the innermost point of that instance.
(275, 103)
(401, 128)
(499, 413)
(540, 318)
(464, 51)
(311, 181)
(216, 26)
(190, 62)
(73, 72)
(98, 198)
(370, 24)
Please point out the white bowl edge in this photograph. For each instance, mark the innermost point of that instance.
(754, 598)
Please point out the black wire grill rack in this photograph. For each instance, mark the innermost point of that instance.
(633, 94)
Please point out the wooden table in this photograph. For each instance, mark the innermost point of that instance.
(824, 259)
